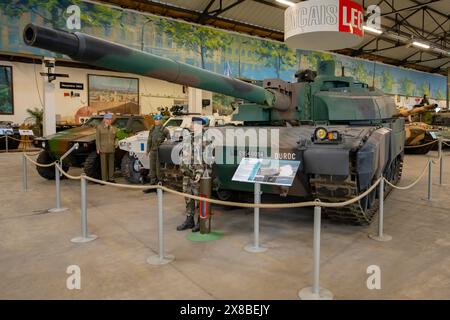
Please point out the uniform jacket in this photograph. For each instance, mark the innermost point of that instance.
(106, 138)
(156, 136)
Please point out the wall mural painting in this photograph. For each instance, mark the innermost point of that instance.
(6, 90)
(111, 94)
(223, 52)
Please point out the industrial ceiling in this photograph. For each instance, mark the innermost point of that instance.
(402, 22)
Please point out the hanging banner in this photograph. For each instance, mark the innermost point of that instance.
(324, 24)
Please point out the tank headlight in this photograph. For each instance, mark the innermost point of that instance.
(320, 133)
(43, 144)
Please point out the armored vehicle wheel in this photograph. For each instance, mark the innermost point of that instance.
(48, 172)
(131, 169)
(225, 195)
(92, 166)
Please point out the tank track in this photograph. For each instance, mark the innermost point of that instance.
(328, 189)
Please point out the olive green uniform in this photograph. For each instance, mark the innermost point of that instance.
(156, 136)
(106, 147)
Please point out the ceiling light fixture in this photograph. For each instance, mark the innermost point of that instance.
(286, 2)
(420, 45)
(372, 30)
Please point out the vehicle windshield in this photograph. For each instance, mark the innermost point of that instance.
(173, 123)
(120, 123)
(93, 122)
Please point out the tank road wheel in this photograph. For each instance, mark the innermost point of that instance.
(131, 169)
(92, 166)
(48, 172)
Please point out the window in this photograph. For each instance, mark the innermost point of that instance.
(138, 125)
(174, 123)
(121, 123)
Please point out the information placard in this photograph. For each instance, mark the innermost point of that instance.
(6, 131)
(26, 132)
(266, 171)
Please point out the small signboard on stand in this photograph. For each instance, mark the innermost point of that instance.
(267, 171)
(264, 171)
(26, 132)
(6, 132)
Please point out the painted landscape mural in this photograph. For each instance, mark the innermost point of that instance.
(213, 49)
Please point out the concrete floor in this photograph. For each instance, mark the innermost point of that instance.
(35, 247)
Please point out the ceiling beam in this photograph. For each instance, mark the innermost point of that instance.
(417, 6)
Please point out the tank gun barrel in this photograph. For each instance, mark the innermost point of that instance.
(403, 112)
(101, 53)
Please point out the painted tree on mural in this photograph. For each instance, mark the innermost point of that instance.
(202, 40)
(440, 94)
(54, 13)
(314, 57)
(387, 81)
(276, 55)
(360, 73)
(407, 87)
(425, 88)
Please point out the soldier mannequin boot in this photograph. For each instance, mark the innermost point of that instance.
(187, 224)
(196, 228)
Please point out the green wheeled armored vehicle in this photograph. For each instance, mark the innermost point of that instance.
(54, 146)
(344, 134)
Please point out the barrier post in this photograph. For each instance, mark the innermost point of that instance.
(58, 190)
(255, 247)
(441, 161)
(316, 292)
(160, 258)
(381, 236)
(6, 142)
(85, 237)
(24, 173)
(430, 180)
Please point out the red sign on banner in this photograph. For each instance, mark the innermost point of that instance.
(351, 17)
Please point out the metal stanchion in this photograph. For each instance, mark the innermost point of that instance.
(6, 143)
(381, 236)
(430, 180)
(24, 174)
(160, 258)
(58, 191)
(85, 237)
(255, 247)
(441, 161)
(316, 292)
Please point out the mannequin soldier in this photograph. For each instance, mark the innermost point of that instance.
(157, 135)
(106, 146)
(192, 168)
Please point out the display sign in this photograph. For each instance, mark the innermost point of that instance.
(26, 132)
(324, 24)
(266, 171)
(71, 85)
(6, 131)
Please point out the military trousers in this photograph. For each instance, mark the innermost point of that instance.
(107, 166)
(155, 167)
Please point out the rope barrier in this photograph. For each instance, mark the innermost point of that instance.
(421, 145)
(412, 184)
(240, 204)
(39, 164)
(66, 174)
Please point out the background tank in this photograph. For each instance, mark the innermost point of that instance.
(369, 137)
(417, 133)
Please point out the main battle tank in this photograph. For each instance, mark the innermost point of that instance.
(344, 134)
(419, 135)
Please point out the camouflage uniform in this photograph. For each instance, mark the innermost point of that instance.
(156, 136)
(192, 171)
